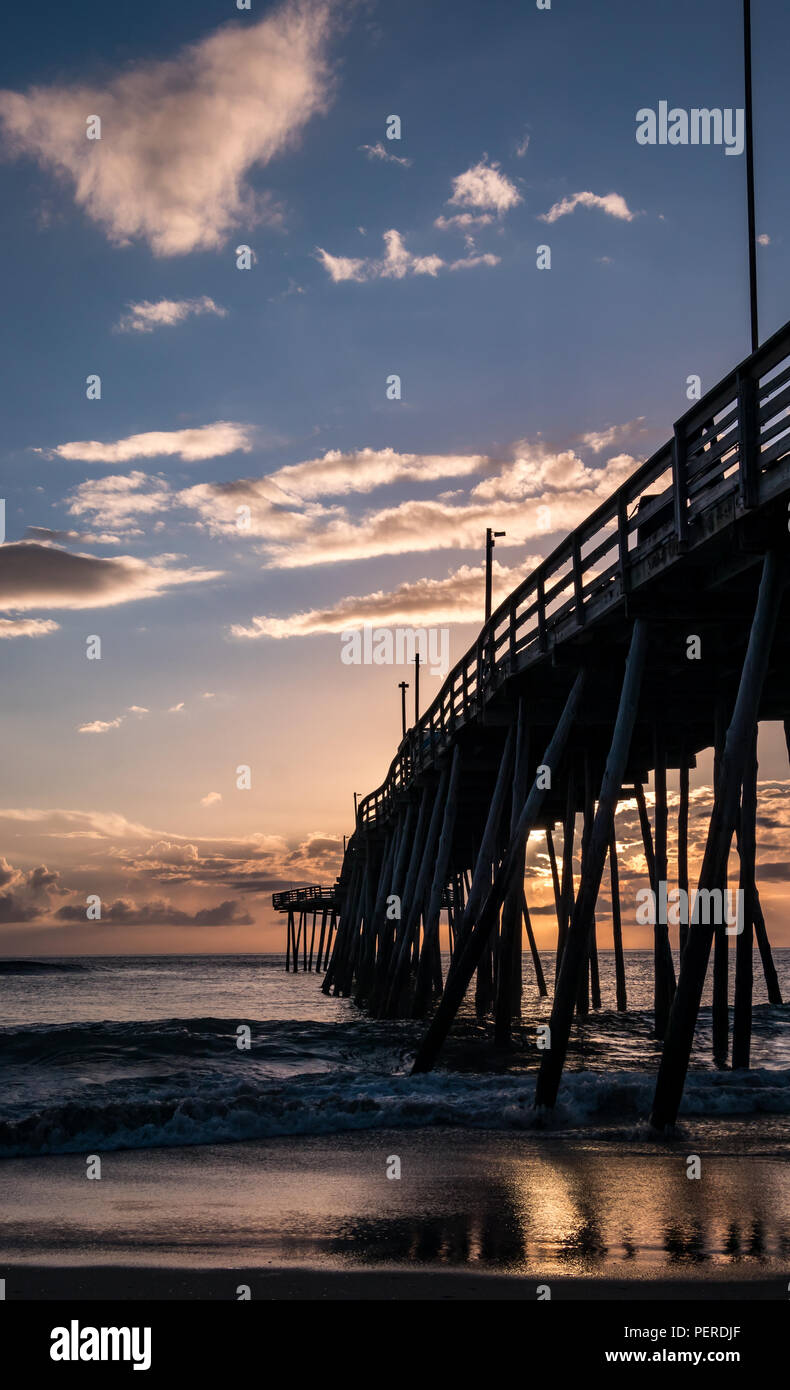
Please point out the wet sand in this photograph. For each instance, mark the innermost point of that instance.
(320, 1285)
(473, 1215)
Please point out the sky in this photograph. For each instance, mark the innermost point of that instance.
(245, 259)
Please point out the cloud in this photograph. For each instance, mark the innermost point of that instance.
(598, 440)
(463, 221)
(458, 598)
(27, 627)
(764, 239)
(469, 262)
(44, 576)
(159, 913)
(191, 445)
(535, 492)
(120, 499)
(101, 726)
(378, 151)
(180, 136)
(484, 186)
(46, 533)
(611, 203)
(146, 316)
(26, 894)
(396, 263)
(522, 146)
(211, 799)
(176, 709)
(362, 470)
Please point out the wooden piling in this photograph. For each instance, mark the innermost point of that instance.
(721, 944)
(321, 941)
(617, 926)
(567, 892)
(536, 961)
(426, 970)
(288, 935)
(508, 981)
(744, 968)
(394, 1003)
(685, 1008)
(683, 849)
(465, 964)
(576, 945)
(663, 965)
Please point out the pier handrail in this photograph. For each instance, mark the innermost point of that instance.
(723, 445)
(295, 897)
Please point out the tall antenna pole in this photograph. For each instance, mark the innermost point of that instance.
(747, 68)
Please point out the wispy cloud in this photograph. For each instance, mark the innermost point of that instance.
(458, 598)
(598, 440)
(165, 313)
(191, 445)
(463, 221)
(180, 137)
(27, 627)
(396, 263)
(533, 492)
(613, 204)
(378, 151)
(102, 726)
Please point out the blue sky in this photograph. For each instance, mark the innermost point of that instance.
(544, 387)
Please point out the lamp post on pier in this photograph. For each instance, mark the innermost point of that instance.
(403, 687)
(491, 537)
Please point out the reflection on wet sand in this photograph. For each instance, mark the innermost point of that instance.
(586, 1213)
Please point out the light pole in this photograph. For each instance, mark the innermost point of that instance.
(416, 687)
(747, 76)
(490, 543)
(403, 687)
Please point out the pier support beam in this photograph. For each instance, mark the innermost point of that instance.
(508, 981)
(577, 943)
(685, 1007)
(617, 924)
(431, 946)
(663, 965)
(744, 968)
(463, 968)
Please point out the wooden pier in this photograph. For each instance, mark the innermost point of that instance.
(302, 903)
(657, 629)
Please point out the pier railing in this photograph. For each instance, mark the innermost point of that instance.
(721, 451)
(313, 895)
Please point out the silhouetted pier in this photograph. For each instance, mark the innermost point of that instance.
(302, 903)
(650, 633)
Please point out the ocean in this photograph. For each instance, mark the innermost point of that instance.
(140, 1052)
(215, 1156)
